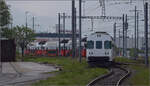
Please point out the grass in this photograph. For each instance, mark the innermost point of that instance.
(124, 60)
(141, 75)
(73, 73)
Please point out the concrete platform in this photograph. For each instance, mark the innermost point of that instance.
(20, 73)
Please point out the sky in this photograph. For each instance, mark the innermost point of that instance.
(46, 14)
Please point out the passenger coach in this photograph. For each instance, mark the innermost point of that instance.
(99, 48)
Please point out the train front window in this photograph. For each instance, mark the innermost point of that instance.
(90, 44)
(98, 44)
(107, 44)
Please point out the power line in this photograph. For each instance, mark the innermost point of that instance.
(48, 0)
(76, 0)
(97, 17)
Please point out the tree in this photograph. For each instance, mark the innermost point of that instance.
(4, 13)
(22, 35)
(9, 33)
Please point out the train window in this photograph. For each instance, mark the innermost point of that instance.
(107, 44)
(98, 44)
(90, 44)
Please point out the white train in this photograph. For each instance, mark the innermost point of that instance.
(99, 48)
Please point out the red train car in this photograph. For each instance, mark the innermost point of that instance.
(52, 52)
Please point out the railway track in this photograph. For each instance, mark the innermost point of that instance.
(114, 78)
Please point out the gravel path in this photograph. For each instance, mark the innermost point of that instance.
(24, 73)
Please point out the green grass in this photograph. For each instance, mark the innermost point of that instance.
(124, 60)
(141, 75)
(73, 73)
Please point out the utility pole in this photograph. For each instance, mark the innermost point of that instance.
(80, 32)
(80, 5)
(73, 25)
(33, 23)
(123, 35)
(115, 33)
(59, 34)
(135, 54)
(149, 17)
(146, 33)
(1, 67)
(92, 24)
(64, 32)
(119, 43)
(75, 33)
(126, 28)
(132, 41)
(137, 33)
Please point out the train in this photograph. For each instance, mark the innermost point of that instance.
(99, 49)
(50, 48)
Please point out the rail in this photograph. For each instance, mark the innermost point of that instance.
(114, 78)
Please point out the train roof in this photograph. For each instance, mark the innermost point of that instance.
(100, 32)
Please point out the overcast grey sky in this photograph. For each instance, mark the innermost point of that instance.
(46, 14)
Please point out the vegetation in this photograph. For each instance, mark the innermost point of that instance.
(22, 35)
(124, 60)
(4, 13)
(140, 75)
(133, 52)
(73, 72)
